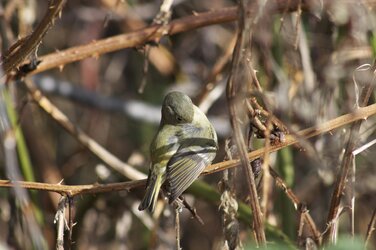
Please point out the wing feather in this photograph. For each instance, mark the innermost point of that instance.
(195, 152)
(185, 167)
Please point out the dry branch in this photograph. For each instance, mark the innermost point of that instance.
(236, 79)
(341, 180)
(361, 113)
(370, 229)
(29, 44)
(297, 205)
(73, 190)
(140, 37)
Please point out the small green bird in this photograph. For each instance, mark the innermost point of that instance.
(185, 144)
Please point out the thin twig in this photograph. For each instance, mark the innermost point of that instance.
(177, 228)
(163, 17)
(302, 210)
(70, 221)
(192, 210)
(370, 229)
(266, 172)
(61, 223)
(212, 79)
(297, 205)
(140, 37)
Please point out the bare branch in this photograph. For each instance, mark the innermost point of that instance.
(31, 43)
(140, 37)
(343, 173)
(371, 228)
(359, 114)
(236, 77)
(298, 206)
(73, 190)
(61, 223)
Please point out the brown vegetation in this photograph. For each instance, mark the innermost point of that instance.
(288, 85)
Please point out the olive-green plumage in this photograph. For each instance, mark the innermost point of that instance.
(185, 144)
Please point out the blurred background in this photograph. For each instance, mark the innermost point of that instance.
(307, 65)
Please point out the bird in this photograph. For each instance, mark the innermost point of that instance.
(186, 142)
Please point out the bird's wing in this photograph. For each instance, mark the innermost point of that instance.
(187, 163)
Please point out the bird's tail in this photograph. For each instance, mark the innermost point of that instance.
(152, 190)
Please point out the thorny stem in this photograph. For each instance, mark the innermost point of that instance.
(359, 114)
(60, 223)
(341, 180)
(31, 43)
(73, 190)
(140, 37)
(246, 20)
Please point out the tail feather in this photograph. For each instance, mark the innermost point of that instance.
(151, 195)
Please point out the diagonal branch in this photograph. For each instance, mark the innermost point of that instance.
(81, 136)
(370, 229)
(31, 43)
(297, 204)
(142, 36)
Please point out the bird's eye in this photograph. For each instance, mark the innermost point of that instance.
(179, 118)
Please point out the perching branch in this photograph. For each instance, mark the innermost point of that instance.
(73, 190)
(359, 114)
